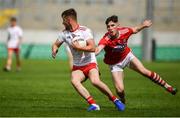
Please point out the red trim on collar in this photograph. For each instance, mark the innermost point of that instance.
(75, 28)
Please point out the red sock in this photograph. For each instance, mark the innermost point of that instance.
(90, 100)
(113, 98)
(157, 79)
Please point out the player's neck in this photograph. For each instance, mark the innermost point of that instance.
(13, 25)
(74, 27)
(115, 36)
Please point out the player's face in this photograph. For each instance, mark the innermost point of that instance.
(112, 28)
(13, 23)
(66, 23)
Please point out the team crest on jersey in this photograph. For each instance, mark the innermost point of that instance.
(68, 37)
(73, 35)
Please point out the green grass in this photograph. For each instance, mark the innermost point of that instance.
(43, 88)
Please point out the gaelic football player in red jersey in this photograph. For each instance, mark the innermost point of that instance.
(84, 60)
(118, 55)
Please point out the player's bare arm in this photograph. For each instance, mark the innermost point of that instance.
(99, 49)
(90, 47)
(55, 47)
(145, 24)
(20, 41)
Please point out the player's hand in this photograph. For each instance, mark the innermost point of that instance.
(76, 45)
(147, 23)
(54, 52)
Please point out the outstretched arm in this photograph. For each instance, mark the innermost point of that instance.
(99, 49)
(145, 24)
(55, 47)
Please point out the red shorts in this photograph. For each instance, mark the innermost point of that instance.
(16, 50)
(85, 69)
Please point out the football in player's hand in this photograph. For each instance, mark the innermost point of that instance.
(82, 42)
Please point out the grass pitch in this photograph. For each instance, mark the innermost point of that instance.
(43, 89)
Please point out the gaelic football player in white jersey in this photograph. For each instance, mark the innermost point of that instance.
(84, 60)
(15, 35)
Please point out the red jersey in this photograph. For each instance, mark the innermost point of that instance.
(116, 49)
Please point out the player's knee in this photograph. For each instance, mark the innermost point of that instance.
(95, 82)
(74, 82)
(9, 57)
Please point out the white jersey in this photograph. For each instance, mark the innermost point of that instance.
(14, 33)
(80, 58)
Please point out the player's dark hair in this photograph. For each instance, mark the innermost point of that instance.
(13, 19)
(69, 12)
(112, 18)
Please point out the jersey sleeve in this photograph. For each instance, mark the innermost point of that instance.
(61, 37)
(20, 32)
(103, 41)
(88, 34)
(130, 31)
(127, 31)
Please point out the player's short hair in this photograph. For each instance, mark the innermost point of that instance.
(112, 18)
(69, 12)
(13, 19)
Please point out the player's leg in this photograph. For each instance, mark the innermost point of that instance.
(136, 65)
(9, 60)
(95, 80)
(18, 61)
(117, 77)
(77, 77)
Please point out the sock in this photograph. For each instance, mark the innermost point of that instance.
(157, 79)
(90, 100)
(113, 98)
(122, 96)
(8, 67)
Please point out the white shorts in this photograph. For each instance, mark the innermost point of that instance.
(121, 65)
